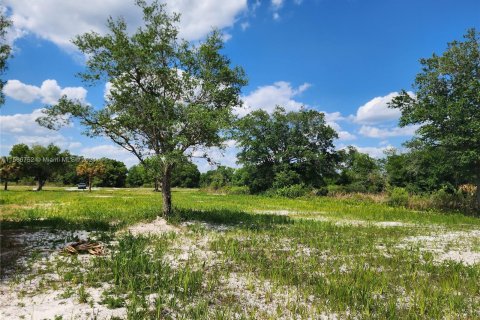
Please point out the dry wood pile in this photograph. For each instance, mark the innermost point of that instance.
(84, 246)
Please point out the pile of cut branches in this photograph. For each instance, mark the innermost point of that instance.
(84, 246)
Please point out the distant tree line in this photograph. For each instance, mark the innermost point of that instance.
(38, 164)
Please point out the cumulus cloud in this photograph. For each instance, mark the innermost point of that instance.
(332, 120)
(244, 25)
(377, 111)
(375, 152)
(345, 135)
(110, 151)
(277, 3)
(382, 133)
(267, 97)
(22, 128)
(59, 21)
(49, 92)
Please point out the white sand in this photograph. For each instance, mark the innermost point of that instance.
(155, 227)
(455, 246)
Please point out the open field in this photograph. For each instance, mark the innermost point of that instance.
(233, 256)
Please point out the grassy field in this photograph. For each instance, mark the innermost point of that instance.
(234, 257)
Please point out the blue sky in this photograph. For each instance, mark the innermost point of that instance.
(347, 58)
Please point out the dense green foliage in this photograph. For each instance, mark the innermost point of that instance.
(446, 106)
(9, 170)
(115, 174)
(185, 174)
(285, 148)
(218, 178)
(5, 51)
(359, 172)
(39, 162)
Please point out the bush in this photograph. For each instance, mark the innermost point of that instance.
(356, 187)
(320, 192)
(445, 199)
(285, 179)
(335, 189)
(237, 190)
(398, 197)
(293, 191)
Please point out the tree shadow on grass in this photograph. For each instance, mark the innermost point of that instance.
(56, 223)
(228, 217)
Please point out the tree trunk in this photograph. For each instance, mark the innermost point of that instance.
(477, 196)
(156, 184)
(40, 184)
(166, 190)
(5, 186)
(89, 184)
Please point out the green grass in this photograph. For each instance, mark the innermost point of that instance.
(117, 208)
(326, 265)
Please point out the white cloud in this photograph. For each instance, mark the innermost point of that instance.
(332, 120)
(59, 21)
(244, 25)
(333, 116)
(49, 92)
(382, 133)
(20, 91)
(375, 152)
(345, 135)
(276, 16)
(277, 3)
(110, 151)
(22, 128)
(377, 111)
(281, 93)
(106, 91)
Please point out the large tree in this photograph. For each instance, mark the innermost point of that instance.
(168, 98)
(9, 170)
(359, 172)
(115, 174)
(5, 51)
(285, 148)
(446, 105)
(39, 162)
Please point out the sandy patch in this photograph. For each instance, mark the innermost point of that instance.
(269, 301)
(49, 304)
(24, 295)
(208, 226)
(275, 212)
(454, 246)
(360, 223)
(387, 224)
(156, 227)
(76, 189)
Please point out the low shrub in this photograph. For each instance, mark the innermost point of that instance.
(320, 192)
(398, 197)
(237, 190)
(445, 199)
(293, 191)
